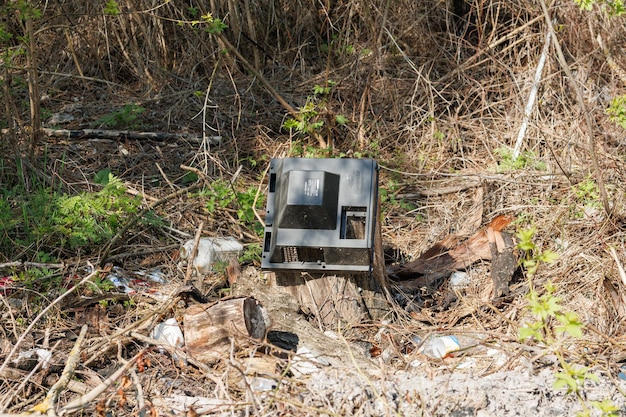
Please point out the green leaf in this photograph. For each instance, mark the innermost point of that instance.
(548, 256)
(585, 4)
(102, 176)
(317, 125)
(319, 90)
(571, 324)
(617, 111)
(565, 380)
(527, 333)
(607, 407)
(341, 119)
(290, 124)
(525, 238)
(111, 8)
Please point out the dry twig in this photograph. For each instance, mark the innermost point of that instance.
(43, 313)
(84, 400)
(48, 405)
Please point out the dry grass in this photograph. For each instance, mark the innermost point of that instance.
(429, 94)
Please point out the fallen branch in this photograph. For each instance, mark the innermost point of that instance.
(49, 403)
(125, 134)
(530, 105)
(16, 264)
(434, 192)
(194, 252)
(449, 255)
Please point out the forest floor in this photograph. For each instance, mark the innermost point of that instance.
(366, 369)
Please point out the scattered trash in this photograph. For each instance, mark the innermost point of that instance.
(117, 278)
(260, 384)
(169, 332)
(44, 356)
(144, 281)
(306, 362)
(459, 280)
(7, 285)
(155, 275)
(622, 375)
(440, 346)
(211, 250)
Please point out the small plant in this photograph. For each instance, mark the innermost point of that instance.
(90, 218)
(338, 47)
(298, 149)
(587, 197)
(316, 114)
(111, 8)
(50, 219)
(125, 118)
(524, 160)
(388, 197)
(614, 7)
(617, 111)
(553, 327)
(222, 195)
(41, 280)
(101, 284)
(251, 253)
(211, 24)
(587, 193)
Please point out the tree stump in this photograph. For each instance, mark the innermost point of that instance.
(209, 329)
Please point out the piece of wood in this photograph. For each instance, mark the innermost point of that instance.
(449, 255)
(126, 134)
(503, 263)
(209, 329)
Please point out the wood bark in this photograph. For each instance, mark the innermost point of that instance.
(503, 261)
(210, 329)
(451, 254)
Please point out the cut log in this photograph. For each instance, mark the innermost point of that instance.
(210, 329)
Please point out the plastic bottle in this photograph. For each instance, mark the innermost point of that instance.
(211, 250)
(440, 346)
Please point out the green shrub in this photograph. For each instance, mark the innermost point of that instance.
(52, 221)
(222, 195)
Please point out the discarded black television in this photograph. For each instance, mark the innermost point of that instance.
(321, 215)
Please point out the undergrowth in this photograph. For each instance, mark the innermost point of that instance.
(53, 221)
(555, 327)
